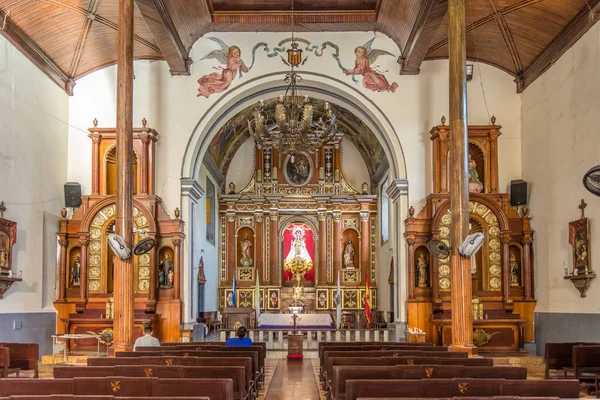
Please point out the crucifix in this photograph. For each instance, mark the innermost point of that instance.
(582, 207)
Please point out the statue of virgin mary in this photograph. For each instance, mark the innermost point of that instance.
(298, 261)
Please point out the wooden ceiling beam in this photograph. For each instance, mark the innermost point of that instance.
(300, 17)
(471, 27)
(165, 34)
(428, 20)
(83, 37)
(506, 34)
(25, 45)
(582, 22)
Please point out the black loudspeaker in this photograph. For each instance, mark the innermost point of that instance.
(518, 192)
(72, 194)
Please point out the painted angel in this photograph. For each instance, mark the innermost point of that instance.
(372, 79)
(217, 82)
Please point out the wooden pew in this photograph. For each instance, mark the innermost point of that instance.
(342, 373)
(119, 386)
(253, 355)
(559, 356)
(24, 356)
(390, 361)
(244, 362)
(459, 387)
(586, 366)
(5, 368)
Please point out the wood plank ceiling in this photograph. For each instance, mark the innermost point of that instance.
(68, 39)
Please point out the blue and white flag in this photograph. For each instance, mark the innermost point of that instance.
(233, 296)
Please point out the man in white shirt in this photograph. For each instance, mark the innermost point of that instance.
(147, 340)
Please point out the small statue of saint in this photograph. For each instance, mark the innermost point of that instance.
(581, 265)
(245, 247)
(170, 278)
(75, 273)
(274, 300)
(231, 188)
(365, 188)
(422, 276)
(474, 183)
(166, 266)
(3, 256)
(349, 255)
(514, 271)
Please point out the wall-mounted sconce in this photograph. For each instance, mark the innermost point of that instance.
(469, 72)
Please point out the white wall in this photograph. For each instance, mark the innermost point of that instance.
(242, 166)
(354, 167)
(33, 169)
(560, 143)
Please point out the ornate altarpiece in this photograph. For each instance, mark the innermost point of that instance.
(502, 278)
(311, 192)
(84, 279)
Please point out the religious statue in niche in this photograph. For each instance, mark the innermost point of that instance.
(8, 237)
(274, 300)
(373, 79)
(474, 184)
(515, 271)
(297, 169)
(231, 188)
(245, 247)
(75, 272)
(349, 255)
(217, 82)
(581, 253)
(422, 274)
(165, 272)
(298, 245)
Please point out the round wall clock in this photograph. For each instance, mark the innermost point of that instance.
(299, 172)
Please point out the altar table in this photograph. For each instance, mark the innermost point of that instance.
(285, 321)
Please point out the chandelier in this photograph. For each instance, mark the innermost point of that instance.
(292, 127)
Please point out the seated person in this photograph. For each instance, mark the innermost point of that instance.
(147, 340)
(241, 339)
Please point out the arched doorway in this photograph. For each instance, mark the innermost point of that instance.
(316, 86)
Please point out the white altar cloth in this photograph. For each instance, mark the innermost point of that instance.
(285, 321)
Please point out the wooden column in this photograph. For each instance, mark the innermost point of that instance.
(443, 162)
(365, 245)
(232, 248)
(153, 258)
(494, 161)
(527, 268)
(177, 269)
(273, 253)
(84, 241)
(258, 245)
(505, 240)
(322, 276)
(96, 138)
(61, 276)
(410, 257)
(462, 318)
(337, 244)
(145, 139)
(124, 282)
(151, 166)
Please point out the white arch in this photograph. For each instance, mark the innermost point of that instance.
(314, 85)
(317, 86)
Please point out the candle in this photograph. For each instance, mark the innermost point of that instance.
(274, 173)
(259, 176)
(336, 175)
(321, 173)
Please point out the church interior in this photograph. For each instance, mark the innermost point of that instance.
(354, 182)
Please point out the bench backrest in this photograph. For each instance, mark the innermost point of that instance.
(215, 389)
(23, 355)
(17, 386)
(586, 358)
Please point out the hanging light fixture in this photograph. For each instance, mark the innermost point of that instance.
(292, 128)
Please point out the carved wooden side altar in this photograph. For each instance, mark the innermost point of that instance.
(502, 277)
(85, 268)
(309, 198)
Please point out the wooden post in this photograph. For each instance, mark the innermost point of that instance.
(84, 241)
(123, 285)
(322, 271)
(410, 257)
(462, 318)
(62, 270)
(177, 267)
(273, 251)
(365, 245)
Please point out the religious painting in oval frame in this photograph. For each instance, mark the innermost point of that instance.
(299, 172)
